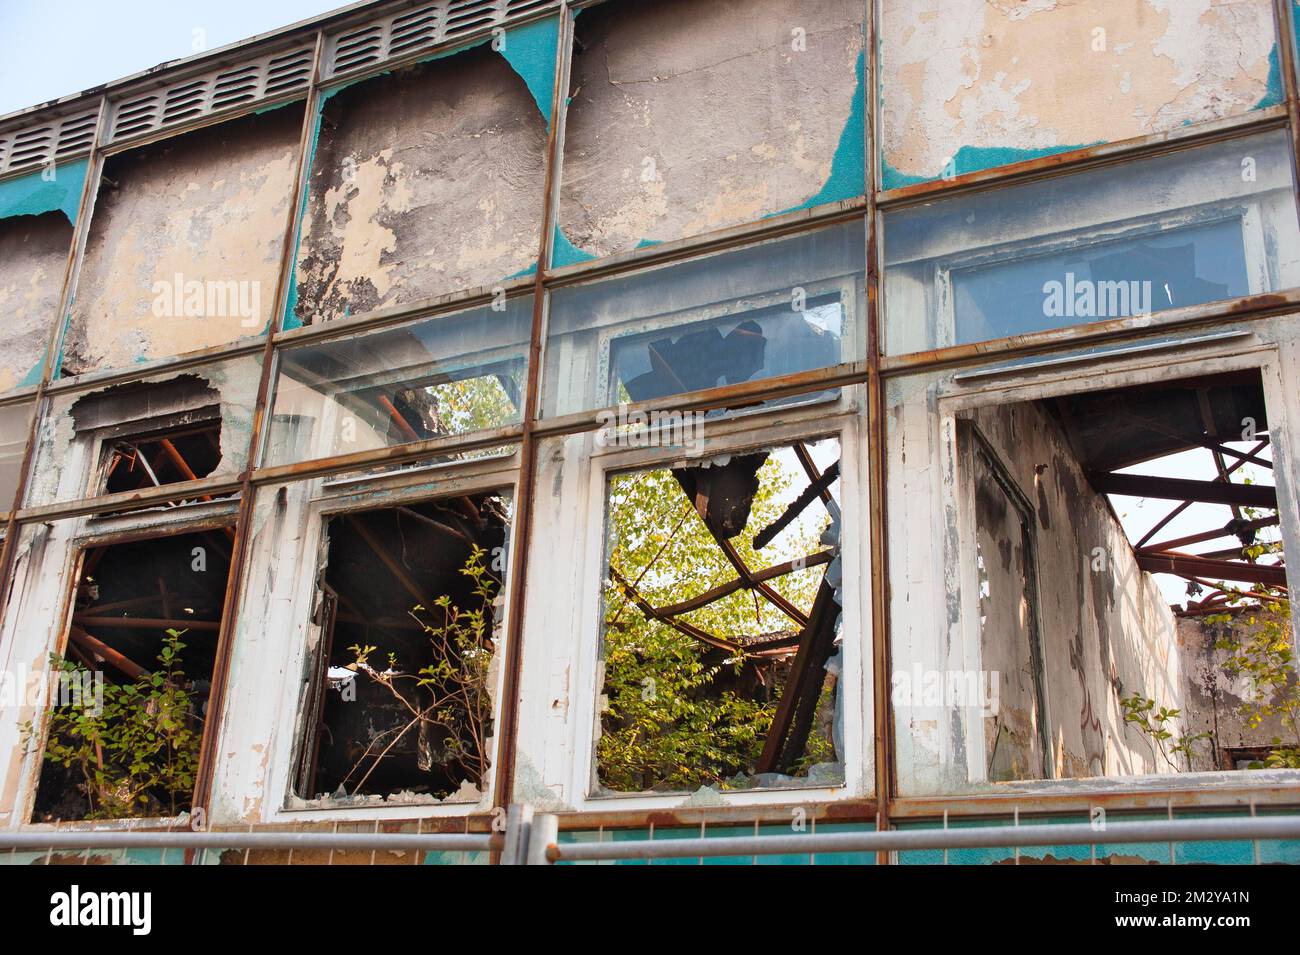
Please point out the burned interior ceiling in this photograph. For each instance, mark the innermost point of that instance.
(389, 219)
(1222, 416)
(185, 244)
(401, 694)
(33, 255)
(1018, 80)
(686, 117)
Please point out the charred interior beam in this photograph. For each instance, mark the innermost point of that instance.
(1272, 575)
(1182, 489)
(788, 734)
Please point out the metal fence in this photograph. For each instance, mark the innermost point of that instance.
(533, 839)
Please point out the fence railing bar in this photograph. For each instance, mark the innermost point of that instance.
(360, 841)
(1183, 830)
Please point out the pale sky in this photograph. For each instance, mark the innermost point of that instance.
(50, 48)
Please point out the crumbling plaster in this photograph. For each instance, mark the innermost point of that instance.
(422, 183)
(688, 117)
(33, 256)
(1106, 629)
(210, 206)
(977, 83)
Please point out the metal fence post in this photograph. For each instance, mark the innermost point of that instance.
(545, 833)
(519, 823)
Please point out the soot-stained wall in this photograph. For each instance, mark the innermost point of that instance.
(33, 255)
(423, 183)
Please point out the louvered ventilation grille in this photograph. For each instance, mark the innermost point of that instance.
(419, 28)
(267, 77)
(56, 138)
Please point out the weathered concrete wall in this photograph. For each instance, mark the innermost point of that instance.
(983, 82)
(687, 117)
(33, 254)
(1214, 697)
(210, 206)
(423, 183)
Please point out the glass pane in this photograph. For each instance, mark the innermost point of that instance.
(15, 423)
(447, 375)
(781, 307)
(1199, 226)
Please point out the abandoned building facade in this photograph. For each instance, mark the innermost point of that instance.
(681, 417)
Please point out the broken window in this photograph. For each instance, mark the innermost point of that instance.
(122, 738)
(780, 307)
(15, 426)
(1190, 228)
(721, 648)
(166, 429)
(1115, 588)
(408, 618)
(141, 461)
(445, 375)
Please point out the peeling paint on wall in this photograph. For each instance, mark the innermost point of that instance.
(685, 118)
(1020, 80)
(33, 256)
(56, 188)
(396, 224)
(184, 248)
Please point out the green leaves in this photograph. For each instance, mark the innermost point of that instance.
(1260, 651)
(137, 752)
(672, 720)
(1138, 710)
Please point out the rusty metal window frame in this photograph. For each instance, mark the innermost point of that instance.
(726, 436)
(318, 503)
(870, 371)
(953, 399)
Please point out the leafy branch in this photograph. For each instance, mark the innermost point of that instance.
(136, 751)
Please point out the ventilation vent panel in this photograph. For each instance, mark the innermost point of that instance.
(419, 28)
(266, 77)
(49, 138)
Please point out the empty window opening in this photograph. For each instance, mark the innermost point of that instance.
(408, 615)
(139, 657)
(184, 454)
(721, 649)
(1131, 591)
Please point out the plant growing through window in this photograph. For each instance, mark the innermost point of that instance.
(136, 752)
